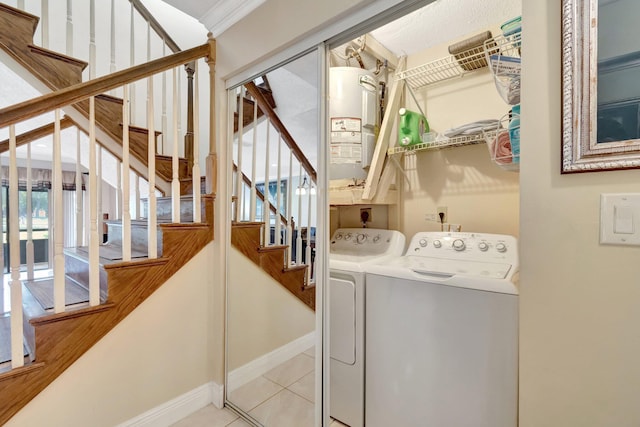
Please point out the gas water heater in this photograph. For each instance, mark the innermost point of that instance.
(352, 108)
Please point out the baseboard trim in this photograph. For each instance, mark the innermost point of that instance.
(252, 370)
(182, 406)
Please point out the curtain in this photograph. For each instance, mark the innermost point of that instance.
(40, 179)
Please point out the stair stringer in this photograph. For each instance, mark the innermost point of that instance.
(245, 236)
(62, 338)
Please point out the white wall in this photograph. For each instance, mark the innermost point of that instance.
(262, 314)
(579, 343)
(161, 350)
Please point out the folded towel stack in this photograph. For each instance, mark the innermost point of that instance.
(472, 128)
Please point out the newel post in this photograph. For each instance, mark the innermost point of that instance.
(212, 157)
(188, 137)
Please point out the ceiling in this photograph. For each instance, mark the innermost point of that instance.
(436, 23)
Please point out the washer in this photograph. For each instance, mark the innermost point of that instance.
(351, 250)
(442, 333)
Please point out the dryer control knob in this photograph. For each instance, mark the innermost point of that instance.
(501, 247)
(361, 238)
(483, 246)
(376, 239)
(437, 243)
(348, 236)
(458, 245)
(423, 242)
(339, 236)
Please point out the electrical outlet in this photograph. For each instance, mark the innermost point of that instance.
(365, 215)
(442, 212)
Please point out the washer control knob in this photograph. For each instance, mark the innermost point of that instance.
(437, 244)
(348, 236)
(501, 247)
(458, 245)
(376, 238)
(361, 238)
(423, 242)
(339, 236)
(483, 246)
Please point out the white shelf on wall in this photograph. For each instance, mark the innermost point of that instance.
(345, 195)
(448, 67)
(458, 141)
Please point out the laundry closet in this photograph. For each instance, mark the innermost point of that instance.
(471, 180)
(424, 140)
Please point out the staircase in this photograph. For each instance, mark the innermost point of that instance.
(57, 339)
(60, 339)
(57, 71)
(246, 237)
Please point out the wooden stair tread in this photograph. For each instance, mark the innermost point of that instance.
(56, 55)
(26, 17)
(272, 248)
(71, 314)
(23, 370)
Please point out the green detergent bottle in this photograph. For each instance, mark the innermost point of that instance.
(412, 126)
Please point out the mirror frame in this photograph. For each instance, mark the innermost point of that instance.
(580, 150)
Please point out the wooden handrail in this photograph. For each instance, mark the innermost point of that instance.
(45, 103)
(277, 123)
(35, 134)
(260, 195)
(144, 12)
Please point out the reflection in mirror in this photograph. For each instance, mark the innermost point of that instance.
(270, 365)
(618, 71)
(601, 97)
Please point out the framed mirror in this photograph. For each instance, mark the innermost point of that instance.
(600, 90)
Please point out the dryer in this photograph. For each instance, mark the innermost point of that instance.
(351, 251)
(442, 333)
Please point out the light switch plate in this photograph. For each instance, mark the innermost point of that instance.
(620, 219)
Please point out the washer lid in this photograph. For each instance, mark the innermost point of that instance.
(450, 267)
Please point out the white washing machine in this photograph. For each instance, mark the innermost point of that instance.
(442, 333)
(351, 250)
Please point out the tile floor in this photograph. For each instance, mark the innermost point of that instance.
(282, 397)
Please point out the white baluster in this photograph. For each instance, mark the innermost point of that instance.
(254, 150)
(132, 62)
(180, 106)
(112, 62)
(289, 206)
(94, 277)
(99, 194)
(308, 251)
(239, 181)
(175, 164)
(138, 213)
(299, 224)
(119, 184)
(17, 355)
(92, 39)
(44, 19)
(126, 192)
(69, 28)
(266, 212)
(197, 214)
(164, 149)
(58, 220)
(79, 194)
(152, 232)
(29, 245)
(278, 230)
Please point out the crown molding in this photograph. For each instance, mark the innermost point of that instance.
(224, 13)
